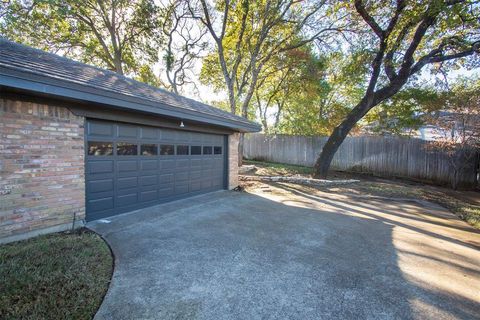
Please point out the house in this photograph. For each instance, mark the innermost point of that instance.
(79, 142)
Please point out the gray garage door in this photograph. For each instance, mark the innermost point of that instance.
(131, 166)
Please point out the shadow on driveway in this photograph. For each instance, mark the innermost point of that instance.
(284, 254)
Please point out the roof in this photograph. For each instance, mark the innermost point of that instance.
(37, 71)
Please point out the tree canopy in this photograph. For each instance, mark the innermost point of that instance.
(403, 37)
(318, 67)
(119, 35)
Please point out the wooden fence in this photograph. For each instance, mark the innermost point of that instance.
(382, 156)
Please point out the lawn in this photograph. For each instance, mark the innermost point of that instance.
(455, 201)
(56, 276)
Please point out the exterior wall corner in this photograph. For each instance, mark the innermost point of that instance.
(233, 140)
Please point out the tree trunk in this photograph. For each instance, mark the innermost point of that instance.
(337, 137)
(117, 62)
(231, 96)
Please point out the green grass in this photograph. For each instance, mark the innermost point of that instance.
(57, 276)
(386, 188)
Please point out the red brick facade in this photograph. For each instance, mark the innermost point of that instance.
(42, 182)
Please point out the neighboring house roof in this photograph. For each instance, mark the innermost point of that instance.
(33, 70)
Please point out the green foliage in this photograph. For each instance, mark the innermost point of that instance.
(119, 35)
(414, 107)
(321, 99)
(276, 74)
(144, 73)
(211, 74)
(291, 80)
(464, 95)
(404, 112)
(251, 36)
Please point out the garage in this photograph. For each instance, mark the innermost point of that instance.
(80, 143)
(130, 166)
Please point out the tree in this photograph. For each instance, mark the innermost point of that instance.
(185, 42)
(337, 87)
(116, 34)
(457, 127)
(290, 81)
(404, 37)
(247, 35)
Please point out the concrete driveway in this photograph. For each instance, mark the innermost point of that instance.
(282, 253)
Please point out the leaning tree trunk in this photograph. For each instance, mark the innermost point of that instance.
(337, 137)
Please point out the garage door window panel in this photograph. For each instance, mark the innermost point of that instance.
(100, 148)
(127, 149)
(217, 150)
(207, 150)
(182, 150)
(148, 150)
(196, 150)
(167, 150)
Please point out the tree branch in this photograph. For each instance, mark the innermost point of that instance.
(362, 11)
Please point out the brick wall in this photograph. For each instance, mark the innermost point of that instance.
(233, 160)
(41, 168)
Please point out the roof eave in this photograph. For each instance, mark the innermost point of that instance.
(47, 86)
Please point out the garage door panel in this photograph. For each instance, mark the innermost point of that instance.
(216, 182)
(118, 183)
(166, 178)
(195, 185)
(181, 176)
(216, 173)
(149, 133)
(166, 191)
(127, 131)
(205, 165)
(101, 195)
(218, 140)
(148, 180)
(146, 165)
(103, 185)
(197, 137)
(100, 204)
(182, 163)
(166, 165)
(195, 164)
(127, 182)
(208, 164)
(100, 129)
(127, 165)
(207, 173)
(183, 136)
(195, 175)
(218, 162)
(206, 184)
(126, 199)
(149, 195)
(181, 188)
(102, 166)
(167, 135)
